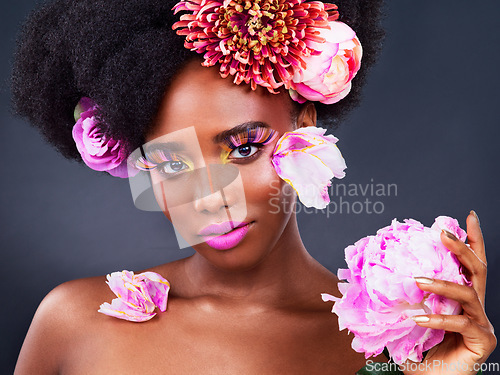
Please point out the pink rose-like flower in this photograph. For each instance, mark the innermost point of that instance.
(328, 75)
(308, 160)
(98, 151)
(138, 295)
(381, 295)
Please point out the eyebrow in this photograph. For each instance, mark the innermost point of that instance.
(170, 146)
(219, 138)
(238, 129)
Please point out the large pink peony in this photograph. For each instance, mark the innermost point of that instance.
(99, 152)
(328, 76)
(381, 294)
(138, 295)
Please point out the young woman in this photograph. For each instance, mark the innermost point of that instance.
(247, 304)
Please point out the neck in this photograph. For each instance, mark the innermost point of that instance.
(280, 273)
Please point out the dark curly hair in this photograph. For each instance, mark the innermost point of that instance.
(123, 55)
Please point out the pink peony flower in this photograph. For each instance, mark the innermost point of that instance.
(98, 151)
(138, 295)
(381, 295)
(259, 43)
(308, 160)
(328, 75)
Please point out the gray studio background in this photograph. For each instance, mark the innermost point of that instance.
(428, 123)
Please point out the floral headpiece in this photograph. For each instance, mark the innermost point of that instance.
(273, 43)
(270, 43)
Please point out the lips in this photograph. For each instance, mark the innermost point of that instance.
(225, 235)
(222, 228)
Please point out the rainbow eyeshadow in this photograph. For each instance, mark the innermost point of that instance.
(258, 135)
(156, 157)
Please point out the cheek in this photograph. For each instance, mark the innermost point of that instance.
(160, 199)
(264, 189)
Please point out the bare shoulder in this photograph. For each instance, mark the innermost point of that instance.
(74, 302)
(68, 318)
(316, 280)
(67, 321)
(63, 312)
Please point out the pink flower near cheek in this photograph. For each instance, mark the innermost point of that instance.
(308, 160)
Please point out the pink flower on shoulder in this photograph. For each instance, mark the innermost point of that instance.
(99, 152)
(381, 295)
(328, 75)
(138, 295)
(307, 160)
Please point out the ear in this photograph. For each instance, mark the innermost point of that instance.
(307, 115)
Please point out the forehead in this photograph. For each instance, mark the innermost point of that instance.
(200, 97)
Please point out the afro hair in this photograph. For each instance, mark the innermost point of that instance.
(123, 55)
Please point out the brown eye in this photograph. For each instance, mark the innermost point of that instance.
(244, 151)
(171, 167)
(176, 165)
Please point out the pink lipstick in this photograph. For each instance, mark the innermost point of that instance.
(225, 235)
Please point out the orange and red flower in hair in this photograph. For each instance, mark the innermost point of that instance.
(259, 42)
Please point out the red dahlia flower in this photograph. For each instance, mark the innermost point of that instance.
(259, 42)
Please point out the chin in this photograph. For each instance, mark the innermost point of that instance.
(235, 263)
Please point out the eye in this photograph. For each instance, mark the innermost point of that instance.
(245, 151)
(172, 167)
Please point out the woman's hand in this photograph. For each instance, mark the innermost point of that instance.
(470, 337)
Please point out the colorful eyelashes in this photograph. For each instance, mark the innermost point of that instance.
(154, 158)
(259, 134)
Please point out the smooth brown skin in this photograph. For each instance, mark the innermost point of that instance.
(252, 309)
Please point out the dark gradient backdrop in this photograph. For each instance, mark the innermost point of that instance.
(428, 123)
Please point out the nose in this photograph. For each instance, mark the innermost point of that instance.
(211, 192)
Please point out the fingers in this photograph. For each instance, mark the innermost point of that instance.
(451, 323)
(472, 258)
(475, 235)
(465, 295)
(467, 257)
(479, 339)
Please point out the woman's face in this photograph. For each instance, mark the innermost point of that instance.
(240, 184)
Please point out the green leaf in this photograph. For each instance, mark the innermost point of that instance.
(381, 368)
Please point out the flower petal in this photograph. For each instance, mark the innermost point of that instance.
(138, 295)
(121, 310)
(308, 160)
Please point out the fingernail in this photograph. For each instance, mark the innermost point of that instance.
(475, 215)
(449, 235)
(421, 319)
(423, 280)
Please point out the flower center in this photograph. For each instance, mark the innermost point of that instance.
(253, 24)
